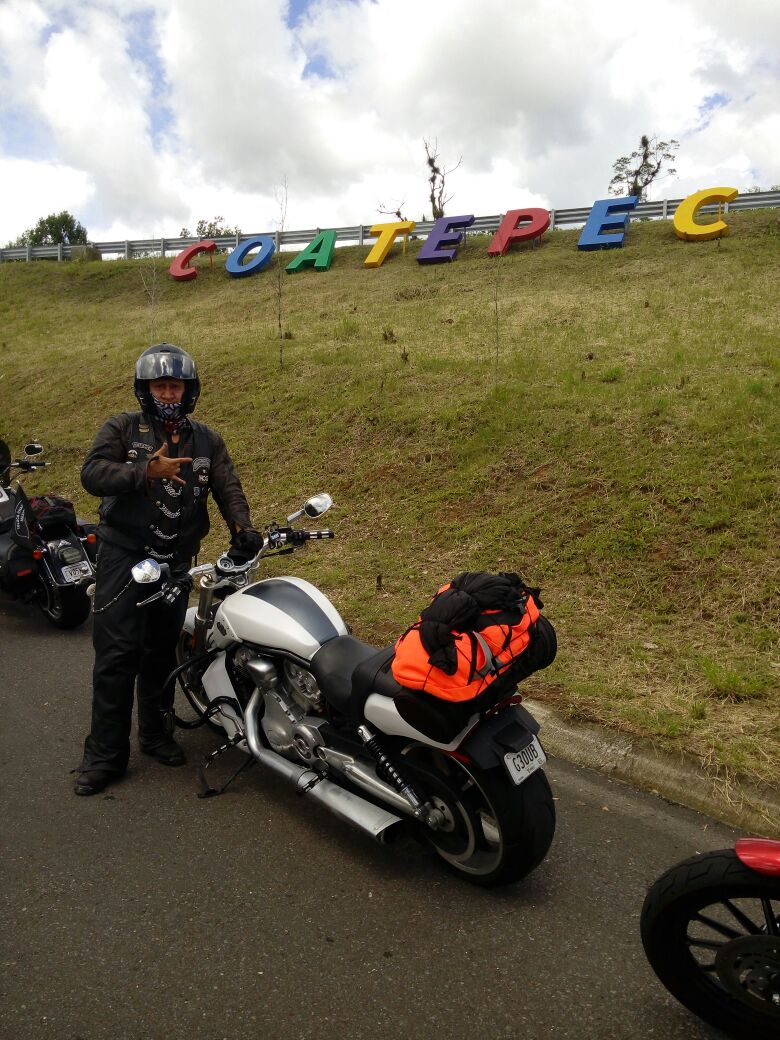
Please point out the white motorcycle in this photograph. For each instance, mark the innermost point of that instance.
(273, 666)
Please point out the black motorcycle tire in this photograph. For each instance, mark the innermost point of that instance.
(496, 832)
(194, 696)
(63, 608)
(710, 887)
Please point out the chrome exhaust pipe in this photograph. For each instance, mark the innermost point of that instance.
(367, 817)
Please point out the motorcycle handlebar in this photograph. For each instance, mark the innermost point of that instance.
(172, 587)
(292, 537)
(27, 465)
(228, 567)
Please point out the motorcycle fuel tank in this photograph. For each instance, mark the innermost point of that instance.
(279, 613)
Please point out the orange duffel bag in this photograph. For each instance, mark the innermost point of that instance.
(472, 634)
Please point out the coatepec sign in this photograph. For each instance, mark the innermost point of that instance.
(605, 228)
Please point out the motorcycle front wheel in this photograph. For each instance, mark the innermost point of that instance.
(711, 931)
(191, 685)
(494, 832)
(63, 608)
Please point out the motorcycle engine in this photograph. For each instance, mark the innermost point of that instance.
(302, 688)
(236, 663)
(285, 703)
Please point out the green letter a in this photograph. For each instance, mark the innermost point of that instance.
(317, 254)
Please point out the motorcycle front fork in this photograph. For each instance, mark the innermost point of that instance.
(203, 618)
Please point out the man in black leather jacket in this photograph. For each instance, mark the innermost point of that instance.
(154, 470)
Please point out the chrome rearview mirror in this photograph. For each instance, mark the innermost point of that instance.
(33, 448)
(313, 507)
(146, 571)
(318, 504)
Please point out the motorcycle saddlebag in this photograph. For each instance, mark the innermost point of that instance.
(52, 511)
(20, 570)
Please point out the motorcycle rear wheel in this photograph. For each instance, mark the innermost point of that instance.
(711, 931)
(63, 608)
(494, 831)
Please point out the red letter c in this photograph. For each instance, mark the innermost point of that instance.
(180, 269)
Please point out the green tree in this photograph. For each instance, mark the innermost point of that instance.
(52, 230)
(634, 173)
(215, 228)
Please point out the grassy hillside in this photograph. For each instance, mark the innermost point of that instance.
(606, 424)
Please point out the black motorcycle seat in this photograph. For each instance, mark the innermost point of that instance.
(334, 665)
(440, 720)
(348, 671)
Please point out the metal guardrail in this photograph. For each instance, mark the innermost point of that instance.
(361, 233)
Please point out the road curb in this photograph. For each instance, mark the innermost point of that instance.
(680, 778)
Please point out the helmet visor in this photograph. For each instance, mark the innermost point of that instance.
(165, 366)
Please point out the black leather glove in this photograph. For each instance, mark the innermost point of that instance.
(245, 544)
(176, 588)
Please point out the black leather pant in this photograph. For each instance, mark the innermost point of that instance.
(130, 643)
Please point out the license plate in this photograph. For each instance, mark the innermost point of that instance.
(76, 572)
(520, 764)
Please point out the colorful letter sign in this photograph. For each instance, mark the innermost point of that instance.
(387, 235)
(534, 224)
(317, 254)
(235, 266)
(441, 235)
(604, 229)
(180, 265)
(685, 225)
(601, 220)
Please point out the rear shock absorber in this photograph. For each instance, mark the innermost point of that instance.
(388, 772)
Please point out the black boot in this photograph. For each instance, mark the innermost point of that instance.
(93, 781)
(166, 751)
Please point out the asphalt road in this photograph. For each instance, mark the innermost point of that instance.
(145, 912)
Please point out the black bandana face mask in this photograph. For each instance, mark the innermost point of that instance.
(170, 414)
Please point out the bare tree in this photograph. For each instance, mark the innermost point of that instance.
(498, 330)
(281, 200)
(153, 291)
(437, 178)
(634, 173)
(381, 208)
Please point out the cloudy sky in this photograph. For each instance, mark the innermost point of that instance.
(142, 116)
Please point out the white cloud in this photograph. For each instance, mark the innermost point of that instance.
(34, 189)
(220, 103)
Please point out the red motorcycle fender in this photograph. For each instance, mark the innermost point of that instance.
(759, 854)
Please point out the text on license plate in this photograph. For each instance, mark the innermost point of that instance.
(520, 764)
(76, 572)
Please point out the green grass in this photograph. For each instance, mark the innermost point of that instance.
(616, 441)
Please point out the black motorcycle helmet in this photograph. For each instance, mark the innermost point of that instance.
(165, 361)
